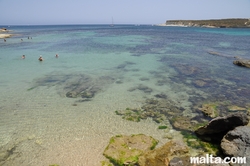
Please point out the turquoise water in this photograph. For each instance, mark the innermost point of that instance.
(37, 113)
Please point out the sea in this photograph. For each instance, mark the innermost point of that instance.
(62, 110)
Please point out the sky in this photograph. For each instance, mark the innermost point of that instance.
(47, 12)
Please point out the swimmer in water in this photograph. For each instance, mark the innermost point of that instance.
(23, 57)
(40, 58)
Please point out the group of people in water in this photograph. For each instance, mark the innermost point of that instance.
(21, 39)
(40, 58)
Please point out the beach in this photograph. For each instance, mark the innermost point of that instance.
(64, 110)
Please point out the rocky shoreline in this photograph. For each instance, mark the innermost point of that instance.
(229, 132)
(219, 23)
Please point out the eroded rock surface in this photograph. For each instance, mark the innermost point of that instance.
(125, 150)
(242, 62)
(162, 156)
(236, 143)
(218, 127)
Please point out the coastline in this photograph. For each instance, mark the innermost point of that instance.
(220, 23)
(3, 33)
(2, 36)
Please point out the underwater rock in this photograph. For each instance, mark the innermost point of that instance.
(219, 54)
(183, 123)
(136, 114)
(203, 82)
(210, 110)
(234, 108)
(186, 69)
(5, 154)
(158, 110)
(133, 114)
(203, 147)
(242, 63)
(161, 95)
(125, 150)
(71, 94)
(218, 127)
(75, 85)
(141, 87)
(144, 88)
(87, 94)
(236, 143)
(163, 155)
(200, 83)
(144, 79)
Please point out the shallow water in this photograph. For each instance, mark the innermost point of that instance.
(46, 126)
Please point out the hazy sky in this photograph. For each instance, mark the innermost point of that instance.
(29, 12)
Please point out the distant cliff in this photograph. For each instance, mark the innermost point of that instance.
(221, 23)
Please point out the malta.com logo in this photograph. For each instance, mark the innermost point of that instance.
(209, 159)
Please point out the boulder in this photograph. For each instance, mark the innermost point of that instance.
(163, 155)
(125, 150)
(242, 62)
(236, 143)
(218, 127)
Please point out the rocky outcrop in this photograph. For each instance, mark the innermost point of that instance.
(218, 127)
(162, 156)
(125, 150)
(236, 143)
(242, 62)
(218, 23)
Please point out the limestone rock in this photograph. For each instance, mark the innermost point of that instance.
(236, 143)
(209, 110)
(242, 62)
(125, 150)
(162, 156)
(218, 127)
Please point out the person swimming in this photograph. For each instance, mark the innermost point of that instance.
(57, 56)
(23, 57)
(40, 58)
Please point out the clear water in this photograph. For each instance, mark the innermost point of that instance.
(46, 127)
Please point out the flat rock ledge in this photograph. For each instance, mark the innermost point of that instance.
(242, 63)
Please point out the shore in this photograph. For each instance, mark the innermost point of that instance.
(220, 23)
(2, 36)
(3, 33)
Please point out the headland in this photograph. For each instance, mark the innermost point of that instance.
(213, 23)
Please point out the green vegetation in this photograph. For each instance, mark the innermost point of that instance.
(154, 143)
(194, 142)
(106, 163)
(31, 88)
(162, 127)
(220, 23)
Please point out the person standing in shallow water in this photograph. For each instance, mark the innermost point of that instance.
(23, 57)
(40, 58)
